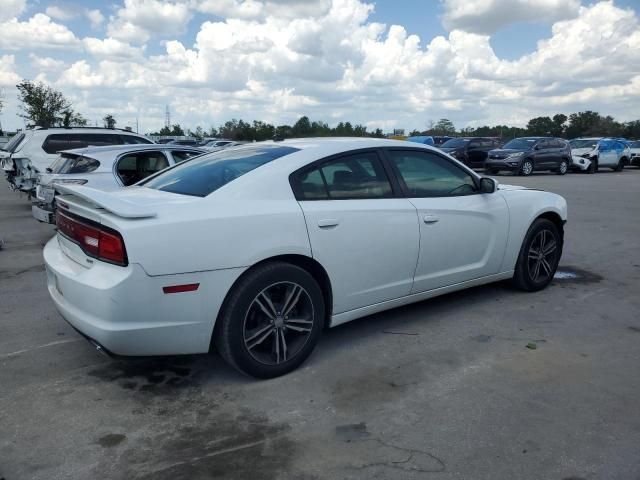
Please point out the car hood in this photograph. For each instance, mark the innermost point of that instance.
(505, 151)
(511, 187)
(581, 151)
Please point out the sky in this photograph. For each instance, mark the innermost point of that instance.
(384, 64)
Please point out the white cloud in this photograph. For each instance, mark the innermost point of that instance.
(60, 13)
(45, 64)
(488, 16)
(139, 19)
(38, 32)
(12, 9)
(8, 75)
(259, 9)
(334, 64)
(111, 48)
(95, 17)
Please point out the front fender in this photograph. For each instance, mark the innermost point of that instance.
(524, 207)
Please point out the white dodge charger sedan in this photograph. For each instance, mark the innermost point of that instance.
(257, 249)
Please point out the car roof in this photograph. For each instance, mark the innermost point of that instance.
(106, 149)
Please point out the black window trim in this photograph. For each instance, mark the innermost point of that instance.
(396, 191)
(122, 155)
(405, 189)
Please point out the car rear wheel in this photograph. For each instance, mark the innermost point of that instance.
(620, 166)
(527, 168)
(563, 167)
(271, 321)
(539, 256)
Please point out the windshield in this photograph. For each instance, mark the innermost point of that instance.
(207, 173)
(13, 143)
(521, 143)
(583, 143)
(455, 143)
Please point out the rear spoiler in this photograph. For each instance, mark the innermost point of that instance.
(107, 201)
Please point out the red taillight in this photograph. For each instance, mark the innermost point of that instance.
(94, 239)
(189, 287)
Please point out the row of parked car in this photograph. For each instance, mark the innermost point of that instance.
(34, 161)
(528, 154)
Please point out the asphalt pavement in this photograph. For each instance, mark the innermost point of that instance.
(489, 383)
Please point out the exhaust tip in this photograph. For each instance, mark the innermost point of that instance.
(99, 348)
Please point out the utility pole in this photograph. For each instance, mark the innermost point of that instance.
(167, 117)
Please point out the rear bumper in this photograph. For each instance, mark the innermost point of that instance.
(42, 212)
(125, 310)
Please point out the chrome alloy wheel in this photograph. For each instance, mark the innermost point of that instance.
(527, 167)
(278, 323)
(542, 256)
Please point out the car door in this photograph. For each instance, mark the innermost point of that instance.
(463, 233)
(361, 232)
(542, 155)
(474, 153)
(606, 153)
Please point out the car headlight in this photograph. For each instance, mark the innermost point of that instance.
(516, 154)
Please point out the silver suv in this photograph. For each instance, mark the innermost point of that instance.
(31, 152)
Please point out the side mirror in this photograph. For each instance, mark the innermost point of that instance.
(488, 185)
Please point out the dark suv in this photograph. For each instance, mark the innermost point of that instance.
(526, 154)
(472, 151)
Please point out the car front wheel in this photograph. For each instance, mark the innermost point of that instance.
(563, 167)
(526, 168)
(271, 321)
(539, 256)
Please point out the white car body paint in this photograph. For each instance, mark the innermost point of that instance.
(370, 249)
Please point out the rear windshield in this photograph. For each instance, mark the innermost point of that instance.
(521, 143)
(207, 173)
(455, 143)
(74, 164)
(13, 143)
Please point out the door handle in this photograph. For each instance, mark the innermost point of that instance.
(429, 218)
(328, 222)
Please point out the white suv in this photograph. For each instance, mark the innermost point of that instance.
(33, 151)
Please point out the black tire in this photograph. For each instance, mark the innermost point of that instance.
(241, 320)
(563, 168)
(526, 168)
(532, 274)
(620, 166)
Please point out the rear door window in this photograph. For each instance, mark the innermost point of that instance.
(182, 155)
(134, 167)
(356, 176)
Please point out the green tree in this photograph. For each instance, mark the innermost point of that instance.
(540, 126)
(43, 106)
(72, 119)
(109, 121)
(582, 124)
(444, 126)
(302, 128)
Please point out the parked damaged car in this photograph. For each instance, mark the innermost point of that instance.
(634, 149)
(32, 151)
(104, 168)
(472, 151)
(259, 248)
(589, 154)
